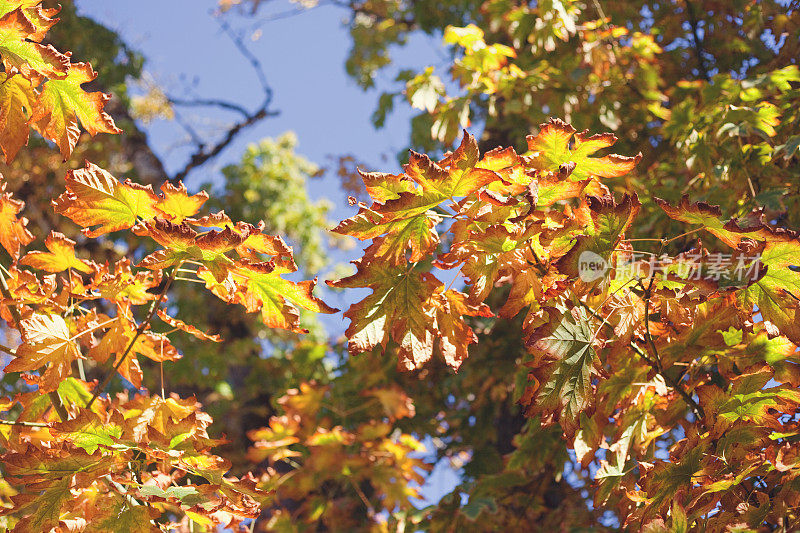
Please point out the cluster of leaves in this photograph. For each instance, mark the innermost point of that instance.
(134, 462)
(660, 344)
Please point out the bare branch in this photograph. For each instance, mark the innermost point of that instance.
(204, 152)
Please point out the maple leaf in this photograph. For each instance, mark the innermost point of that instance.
(260, 287)
(62, 102)
(393, 238)
(124, 285)
(382, 187)
(89, 431)
(125, 518)
(397, 309)
(117, 339)
(181, 242)
(188, 328)
(776, 294)
(42, 512)
(38, 16)
(551, 148)
(176, 204)
(405, 220)
(47, 342)
(13, 231)
(20, 53)
(60, 257)
(96, 198)
(734, 232)
(454, 334)
(565, 342)
(16, 102)
(609, 220)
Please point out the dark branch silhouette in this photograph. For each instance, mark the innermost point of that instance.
(205, 151)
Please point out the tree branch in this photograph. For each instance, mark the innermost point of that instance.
(698, 43)
(204, 152)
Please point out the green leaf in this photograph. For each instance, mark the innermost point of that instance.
(566, 340)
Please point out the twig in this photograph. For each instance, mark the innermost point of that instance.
(23, 424)
(698, 43)
(208, 102)
(139, 330)
(204, 152)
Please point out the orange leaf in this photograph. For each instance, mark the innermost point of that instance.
(60, 257)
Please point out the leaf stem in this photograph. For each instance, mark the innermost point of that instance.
(139, 330)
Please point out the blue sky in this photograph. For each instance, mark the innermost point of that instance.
(303, 58)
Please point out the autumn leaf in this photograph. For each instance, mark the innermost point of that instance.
(60, 257)
(396, 310)
(565, 342)
(261, 288)
(62, 102)
(454, 334)
(19, 53)
(17, 98)
(89, 431)
(42, 512)
(47, 343)
(96, 198)
(609, 220)
(776, 294)
(13, 231)
(551, 148)
(176, 204)
(188, 328)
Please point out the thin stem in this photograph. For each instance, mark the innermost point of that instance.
(150, 314)
(23, 424)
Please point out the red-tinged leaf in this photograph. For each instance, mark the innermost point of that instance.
(552, 190)
(259, 243)
(382, 187)
(13, 231)
(62, 102)
(42, 512)
(564, 346)
(598, 241)
(454, 333)
(508, 165)
(21, 53)
(96, 198)
(261, 288)
(214, 220)
(61, 256)
(183, 326)
(551, 148)
(89, 430)
(40, 18)
(733, 232)
(126, 518)
(47, 343)
(413, 230)
(182, 243)
(176, 204)
(398, 309)
(16, 103)
(123, 285)
(115, 342)
(454, 176)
